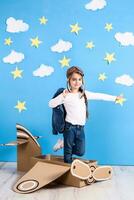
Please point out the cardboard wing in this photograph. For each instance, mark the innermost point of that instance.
(15, 143)
(40, 175)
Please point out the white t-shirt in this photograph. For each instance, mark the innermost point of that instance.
(75, 106)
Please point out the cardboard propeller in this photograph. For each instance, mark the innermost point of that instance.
(83, 171)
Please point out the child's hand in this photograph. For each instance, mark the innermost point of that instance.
(120, 100)
(65, 92)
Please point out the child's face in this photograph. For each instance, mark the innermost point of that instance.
(75, 81)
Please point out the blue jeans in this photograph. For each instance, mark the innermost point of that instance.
(74, 141)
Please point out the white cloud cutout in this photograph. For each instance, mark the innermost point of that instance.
(125, 39)
(125, 80)
(43, 70)
(13, 57)
(15, 26)
(61, 46)
(96, 4)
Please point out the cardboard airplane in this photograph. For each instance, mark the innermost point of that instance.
(42, 170)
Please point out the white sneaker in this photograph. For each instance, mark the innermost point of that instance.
(58, 145)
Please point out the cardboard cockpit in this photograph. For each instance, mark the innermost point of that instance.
(42, 170)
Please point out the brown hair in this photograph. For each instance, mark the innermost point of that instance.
(69, 73)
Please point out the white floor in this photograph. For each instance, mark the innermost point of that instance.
(120, 187)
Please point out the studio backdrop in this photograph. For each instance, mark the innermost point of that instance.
(39, 41)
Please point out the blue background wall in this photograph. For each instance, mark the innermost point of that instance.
(110, 129)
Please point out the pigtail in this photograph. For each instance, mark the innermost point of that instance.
(85, 97)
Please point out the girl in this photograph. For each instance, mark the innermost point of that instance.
(75, 100)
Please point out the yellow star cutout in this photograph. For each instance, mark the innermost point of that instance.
(90, 45)
(17, 73)
(64, 62)
(43, 20)
(109, 57)
(35, 42)
(8, 41)
(75, 28)
(108, 27)
(102, 77)
(20, 106)
(120, 100)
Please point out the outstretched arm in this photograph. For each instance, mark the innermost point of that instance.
(100, 96)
